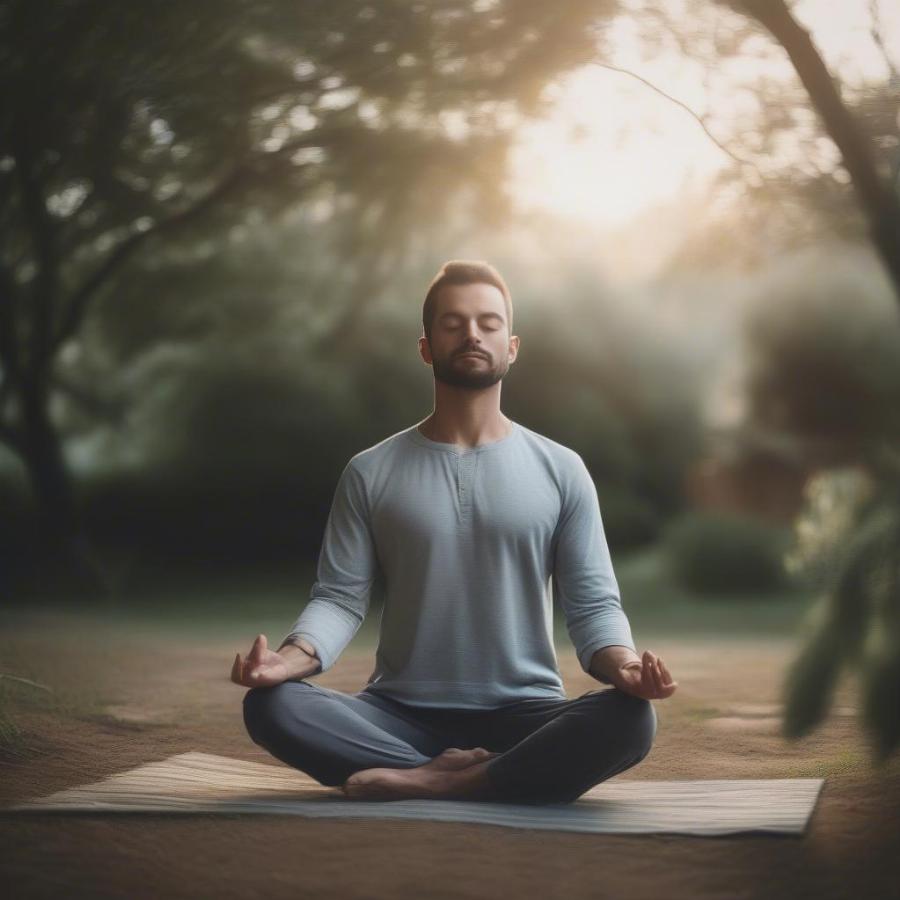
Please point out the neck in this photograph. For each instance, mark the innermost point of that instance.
(466, 417)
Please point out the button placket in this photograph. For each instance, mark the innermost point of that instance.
(465, 465)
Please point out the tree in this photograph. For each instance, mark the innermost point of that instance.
(132, 127)
(857, 620)
(876, 193)
(855, 564)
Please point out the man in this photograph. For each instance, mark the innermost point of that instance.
(470, 517)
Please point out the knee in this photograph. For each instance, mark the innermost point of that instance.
(267, 708)
(638, 723)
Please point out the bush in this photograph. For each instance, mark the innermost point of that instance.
(629, 521)
(726, 553)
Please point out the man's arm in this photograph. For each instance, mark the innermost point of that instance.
(584, 581)
(347, 567)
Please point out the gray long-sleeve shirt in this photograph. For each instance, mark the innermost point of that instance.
(473, 544)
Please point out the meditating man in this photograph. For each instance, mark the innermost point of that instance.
(475, 523)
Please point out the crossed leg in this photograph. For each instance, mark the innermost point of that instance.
(533, 751)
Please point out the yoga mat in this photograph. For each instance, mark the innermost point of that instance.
(204, 783)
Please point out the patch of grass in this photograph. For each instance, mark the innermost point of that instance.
(655, 603)
(848, 762)
(64, 689)
(189, 602)
(14, 694)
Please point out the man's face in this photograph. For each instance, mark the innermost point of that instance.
(470, 344)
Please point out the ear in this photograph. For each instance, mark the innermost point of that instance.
(513, 348)
(425, 349)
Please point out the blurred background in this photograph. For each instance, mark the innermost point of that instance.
(219, 220)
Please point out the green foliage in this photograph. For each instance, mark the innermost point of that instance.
(723, 553)
(149, 133)
(811, 681)
(881, 701)
(857, 619)
(822, 339)
(628, 519)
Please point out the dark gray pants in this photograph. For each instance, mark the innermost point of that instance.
(552, 750)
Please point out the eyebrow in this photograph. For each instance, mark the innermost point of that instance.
(487, 315)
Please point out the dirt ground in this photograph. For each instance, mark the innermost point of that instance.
(123, 698)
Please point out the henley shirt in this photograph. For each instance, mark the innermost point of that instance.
(473, 545)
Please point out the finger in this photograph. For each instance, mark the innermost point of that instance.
(669, 685)
(246, 668)
(657, 675)
(256, 651)
(667, 676)
(646, 673)
(244, 675)
(656, 685)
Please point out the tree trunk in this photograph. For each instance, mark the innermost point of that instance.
(880, 204)
(63, 553)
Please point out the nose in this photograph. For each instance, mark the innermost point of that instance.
(473, 338)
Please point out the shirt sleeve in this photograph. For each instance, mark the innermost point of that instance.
(347, 567)
(583, 577)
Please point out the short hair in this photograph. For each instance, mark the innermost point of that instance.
(464, 271)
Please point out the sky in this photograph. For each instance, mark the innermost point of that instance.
(612, 148)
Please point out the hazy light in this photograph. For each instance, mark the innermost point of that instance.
(612, 147)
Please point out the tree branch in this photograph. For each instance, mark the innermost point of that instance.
(109, 410)
(701, 121)
(877, 199)
(78, 304)
(875, 32)
(82, 296)
(43, 238)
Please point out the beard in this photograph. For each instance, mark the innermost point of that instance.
(461, 373)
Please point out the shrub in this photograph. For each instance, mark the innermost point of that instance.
(717, 552)
(629, 521)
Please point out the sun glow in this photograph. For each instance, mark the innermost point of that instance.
(612, 147)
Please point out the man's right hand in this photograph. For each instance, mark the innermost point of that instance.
(265, 668)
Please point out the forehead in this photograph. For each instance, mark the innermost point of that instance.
(470, 299)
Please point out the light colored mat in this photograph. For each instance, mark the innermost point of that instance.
(203, 783)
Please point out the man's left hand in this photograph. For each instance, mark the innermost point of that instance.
(648, 678)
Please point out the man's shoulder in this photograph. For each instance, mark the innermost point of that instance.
(557, 455)
(371, 458)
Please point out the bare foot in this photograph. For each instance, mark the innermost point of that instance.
(453, 773)
(453, 759)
